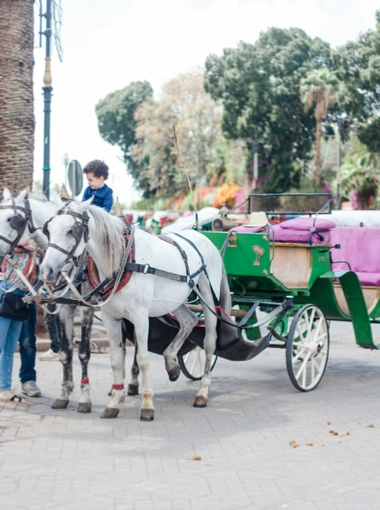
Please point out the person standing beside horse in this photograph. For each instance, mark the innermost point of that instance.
(96, 173)
(13, 312)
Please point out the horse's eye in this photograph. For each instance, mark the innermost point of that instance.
(9, 220)
(70, 232)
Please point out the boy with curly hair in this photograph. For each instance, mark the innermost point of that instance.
(96, 173)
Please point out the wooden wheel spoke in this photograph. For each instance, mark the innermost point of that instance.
(302, 369)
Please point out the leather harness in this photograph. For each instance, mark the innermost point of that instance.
(131, 266)
(19, 222)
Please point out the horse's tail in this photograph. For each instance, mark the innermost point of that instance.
(225, 293)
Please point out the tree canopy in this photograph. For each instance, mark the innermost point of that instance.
(318, 90)
(259, 86)
(116, 115)
(196, 117)
(248, 99)
(358, 68)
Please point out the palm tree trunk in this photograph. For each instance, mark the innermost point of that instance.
(317, 180)
(16, 93)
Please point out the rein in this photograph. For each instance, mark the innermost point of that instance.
(80, 230)
(120, 273)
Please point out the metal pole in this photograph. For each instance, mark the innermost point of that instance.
(338, 163)
(255, 162)
(47, 92)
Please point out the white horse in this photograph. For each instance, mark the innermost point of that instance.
(32, 212)
(160, 283)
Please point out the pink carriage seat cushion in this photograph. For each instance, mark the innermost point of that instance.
(358, 251)
(306, 223)
(298, 231)
(369, 279)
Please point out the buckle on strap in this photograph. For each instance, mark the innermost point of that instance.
(146, 268)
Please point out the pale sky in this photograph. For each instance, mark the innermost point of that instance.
(108, 44)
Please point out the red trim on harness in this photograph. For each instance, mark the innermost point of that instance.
(93, 277)
(85, 381)
(118, 387)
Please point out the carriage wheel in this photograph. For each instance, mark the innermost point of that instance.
(193, 363)
(307, 348)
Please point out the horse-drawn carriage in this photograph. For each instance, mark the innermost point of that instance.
(330, 272)
(286, 282)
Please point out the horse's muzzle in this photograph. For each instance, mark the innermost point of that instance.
(47, 275)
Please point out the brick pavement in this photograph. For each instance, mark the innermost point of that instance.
(52, 459)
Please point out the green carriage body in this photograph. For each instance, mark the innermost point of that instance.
(265, 274)
(260, 269)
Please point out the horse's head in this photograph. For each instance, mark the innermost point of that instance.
(67, 232)
(13, 221)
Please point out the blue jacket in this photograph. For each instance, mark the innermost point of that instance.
(102, 197)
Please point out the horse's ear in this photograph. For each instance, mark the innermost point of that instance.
(22, 195)
(56, 200)
(6, 193)
(83, 206)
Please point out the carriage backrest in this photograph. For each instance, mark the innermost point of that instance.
(358, 247)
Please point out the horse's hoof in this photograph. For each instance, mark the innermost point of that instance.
(147, 415)
(133, 389)
(174, 373)
(110, 412)
(60, 404)
(84, 407)
(200, 402)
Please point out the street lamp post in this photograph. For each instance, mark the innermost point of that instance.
(47, 92)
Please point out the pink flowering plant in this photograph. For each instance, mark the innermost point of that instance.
(360, 180)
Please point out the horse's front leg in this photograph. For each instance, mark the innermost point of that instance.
(141, 323)
(84, 353)
(127, 334)
(66, 318)
(113, 328)
(187, 321)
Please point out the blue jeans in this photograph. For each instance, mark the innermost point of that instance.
(9, 335)
(28, 349)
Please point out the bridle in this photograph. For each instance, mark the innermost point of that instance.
(19, 223)
(79, 230)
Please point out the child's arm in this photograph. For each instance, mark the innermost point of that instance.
(108, 200)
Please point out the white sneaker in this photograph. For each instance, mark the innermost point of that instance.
(31, 389)
(49, 356)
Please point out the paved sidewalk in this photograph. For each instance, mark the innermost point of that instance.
(52, 459)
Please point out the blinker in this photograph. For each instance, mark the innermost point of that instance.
(45, 230)
(17, 222)
(77, 231)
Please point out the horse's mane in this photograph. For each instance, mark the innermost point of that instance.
(37, 196)
(111, 231)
